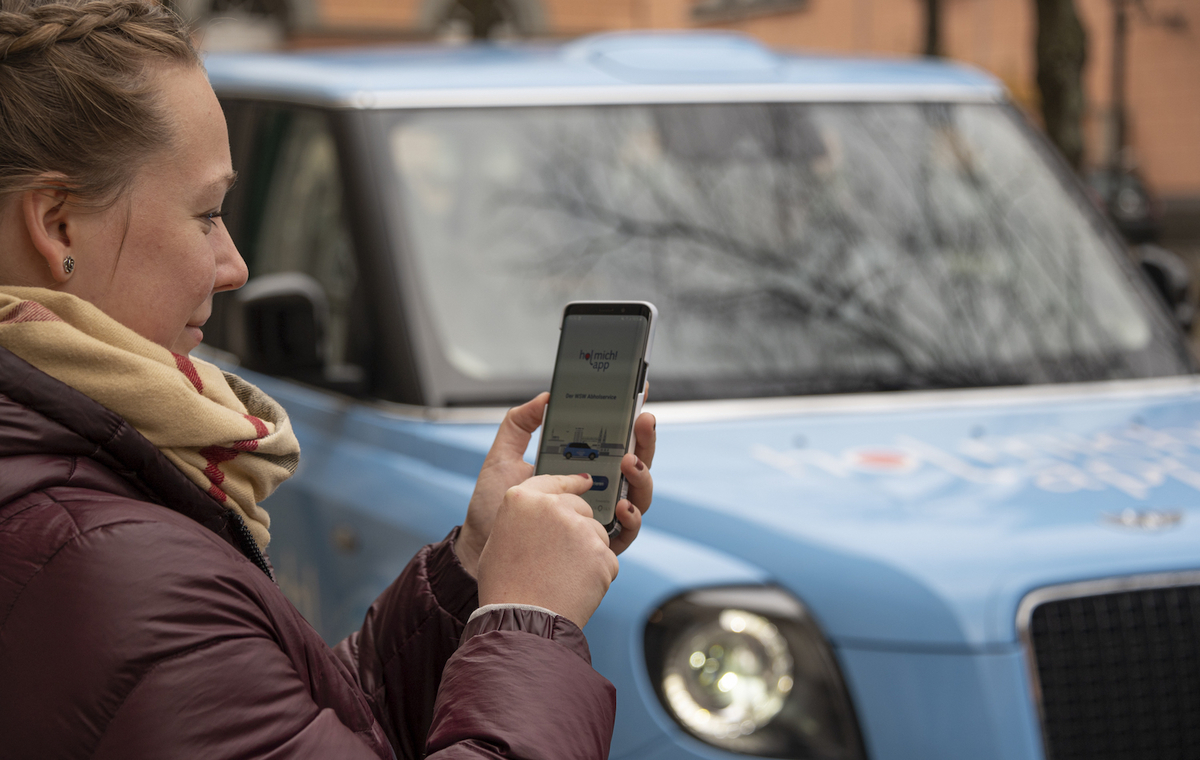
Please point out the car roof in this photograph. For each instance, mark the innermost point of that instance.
(609, 68)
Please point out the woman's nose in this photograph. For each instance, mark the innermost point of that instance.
(231, 268)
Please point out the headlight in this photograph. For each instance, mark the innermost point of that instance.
(747, 669)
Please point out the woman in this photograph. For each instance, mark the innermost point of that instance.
(138, 613)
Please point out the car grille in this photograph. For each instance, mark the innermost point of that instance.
(1119, 673)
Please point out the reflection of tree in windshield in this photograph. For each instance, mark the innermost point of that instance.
(813, 248)
(908, 267)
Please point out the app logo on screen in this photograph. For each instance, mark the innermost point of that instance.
(600, 360)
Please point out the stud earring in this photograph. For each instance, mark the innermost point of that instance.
(69, 264)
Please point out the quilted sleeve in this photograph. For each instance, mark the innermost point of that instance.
(408, 635)
(522, 685)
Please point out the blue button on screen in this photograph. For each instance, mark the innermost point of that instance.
(599, 483)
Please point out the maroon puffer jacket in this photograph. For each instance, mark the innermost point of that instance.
(135, 623)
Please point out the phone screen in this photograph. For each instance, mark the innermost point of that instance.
(592, 398)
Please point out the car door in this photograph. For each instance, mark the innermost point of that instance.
(336, 541)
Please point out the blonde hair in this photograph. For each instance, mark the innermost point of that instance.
(77, 95)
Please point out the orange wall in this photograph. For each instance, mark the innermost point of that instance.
(998, 36)
(878, 26)
(368, 15)
(1163, 91)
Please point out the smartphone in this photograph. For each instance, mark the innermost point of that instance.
(597, 392)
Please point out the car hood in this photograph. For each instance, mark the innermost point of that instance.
(922, 519)
(925, 518)
(913, 519)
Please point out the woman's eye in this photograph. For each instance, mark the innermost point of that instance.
(212, 216)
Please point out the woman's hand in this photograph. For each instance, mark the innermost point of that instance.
(547, 550)
(505, 467)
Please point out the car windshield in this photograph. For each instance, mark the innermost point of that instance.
(790, 248)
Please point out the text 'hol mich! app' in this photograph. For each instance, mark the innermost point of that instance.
(591, 405)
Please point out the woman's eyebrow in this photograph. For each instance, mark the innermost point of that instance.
(224, 184)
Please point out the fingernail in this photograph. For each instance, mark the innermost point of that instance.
(630, 509)
(639, 465)
(584, 475)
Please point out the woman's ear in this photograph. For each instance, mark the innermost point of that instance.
(50, 222)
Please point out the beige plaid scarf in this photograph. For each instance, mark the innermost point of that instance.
(226, 435)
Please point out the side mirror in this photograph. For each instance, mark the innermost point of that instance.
(1172, 280)
(279, 327)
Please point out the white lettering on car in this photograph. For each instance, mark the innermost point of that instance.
(1134, 460)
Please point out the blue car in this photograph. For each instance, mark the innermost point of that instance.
(928, 467)
(576, 450)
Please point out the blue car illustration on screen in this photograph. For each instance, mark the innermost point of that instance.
(579, 450)
(927, 480)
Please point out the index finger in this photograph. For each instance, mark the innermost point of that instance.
(556, 484)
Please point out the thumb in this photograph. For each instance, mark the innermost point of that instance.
(519, 425)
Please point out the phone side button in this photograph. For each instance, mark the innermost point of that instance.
(599, 483)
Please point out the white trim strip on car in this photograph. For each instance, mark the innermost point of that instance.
(685, 412)
(676, 93)
(499, 97)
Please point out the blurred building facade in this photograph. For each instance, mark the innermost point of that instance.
(1162, 70)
